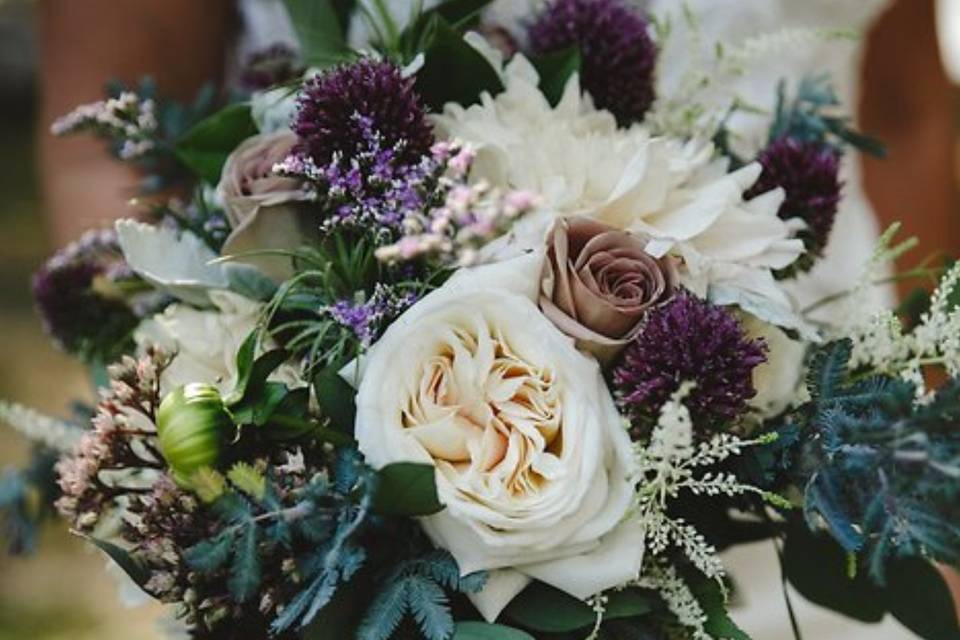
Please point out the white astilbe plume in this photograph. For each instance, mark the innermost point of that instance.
(697, 105)
(671, 463)
(880, 343)
(53, 433)
(680, 600)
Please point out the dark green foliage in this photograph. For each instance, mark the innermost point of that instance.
(321, 26)
(880, 469)
(811, 116)
(543, 609)
(915, 592)
(26, 497)
(320, 527)
(406, 489)
(555, 70)
(205, 147)
(417, 587)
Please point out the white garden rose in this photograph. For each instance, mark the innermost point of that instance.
(533, 461)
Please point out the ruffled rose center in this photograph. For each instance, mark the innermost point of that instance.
(490, 420)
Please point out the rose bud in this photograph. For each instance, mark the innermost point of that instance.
(264, 208)
(598, 283)
(193, 426)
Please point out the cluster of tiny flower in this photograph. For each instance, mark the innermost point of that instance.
(128, 120)
(881, 344)
(367, 318)
(470, 217)
(663, 578)
(118, 456)
(667, 465)
(375, 187)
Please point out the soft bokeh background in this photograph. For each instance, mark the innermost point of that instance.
(64, 592)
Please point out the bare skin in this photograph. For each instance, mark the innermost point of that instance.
(180, 43)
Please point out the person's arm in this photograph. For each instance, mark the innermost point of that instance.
(909, 104)
(180, 43)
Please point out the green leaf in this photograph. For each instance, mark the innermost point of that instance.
(406, 489)
(205, 147)
(252, 373)
(458, 13)
(259, 403)
(249, 281)
(244, 577)
(714, 604)
(485, 631)
(918, 597)
(336, 399)
(555, 70)
(817, 567)
(453, 71)
(543, 608)
(319, 25)
(137, 571)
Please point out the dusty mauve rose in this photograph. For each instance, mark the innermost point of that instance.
(263, 208)
(599, 281)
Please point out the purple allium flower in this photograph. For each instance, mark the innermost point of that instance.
(71, 295)
(619, 57)
(809, 174)
(269, 67)
(689, 339)
(326, 121)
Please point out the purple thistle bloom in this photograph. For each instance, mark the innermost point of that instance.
(619, 57)
(809, 174)
(329, 104)
(69, 294)
(689, 339)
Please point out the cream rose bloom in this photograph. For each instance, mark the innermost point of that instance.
(581, 164)
(532, 459)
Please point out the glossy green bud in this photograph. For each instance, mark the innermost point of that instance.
(193, 427)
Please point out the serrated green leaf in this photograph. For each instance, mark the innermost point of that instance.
(208, 484)
(247, 479)
(406, 489)
(555, 70)
(244, 577)
(486, 631)
(205, 147)
(209, 555)
(130, 565)
(452, 71)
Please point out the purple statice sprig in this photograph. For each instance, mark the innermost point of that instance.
(374, 188)
(367, 316)
(129, 120)
(689, 339)
(470, 216)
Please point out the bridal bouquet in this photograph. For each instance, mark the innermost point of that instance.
(469, 328)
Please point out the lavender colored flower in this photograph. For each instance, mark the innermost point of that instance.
(374, 188)
(809, 174)
(75, 296)
(689, 339)
(619, 57)
(366, 319)
(327, 122)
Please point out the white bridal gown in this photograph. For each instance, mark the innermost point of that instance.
(762, 612)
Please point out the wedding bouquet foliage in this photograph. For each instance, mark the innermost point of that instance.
(468, 328)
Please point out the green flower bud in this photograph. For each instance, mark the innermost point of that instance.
(192, 426)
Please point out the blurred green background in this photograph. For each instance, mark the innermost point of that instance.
(64, 592)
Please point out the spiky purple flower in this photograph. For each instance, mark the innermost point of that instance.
(809, 174)
(375, 90)
(619, 57)
(72, 296)
(689, 339)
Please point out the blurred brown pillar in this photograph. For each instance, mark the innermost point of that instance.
(909, 104)
(84, 44)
